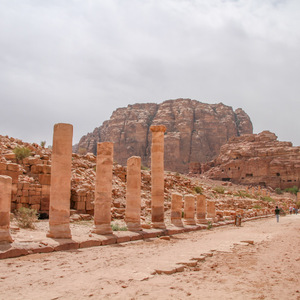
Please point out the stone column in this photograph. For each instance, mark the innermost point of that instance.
(157, 176)
(201, 209)
(133, 194)
(298, 196)
(103, 189)
(60, 189)
(211, 211)
(5, 202)
(176, 210)
(189, 210)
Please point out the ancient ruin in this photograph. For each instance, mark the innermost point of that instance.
(59, 211)
(189, 209)
(201, 209)
(103, 189)
(195, 132)
(133, 194)
(257, 159)
(157, 176)
(5, 200)
(176, 210)
(211, 210)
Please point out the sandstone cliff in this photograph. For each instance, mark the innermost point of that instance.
(257, 159)
(195, 132)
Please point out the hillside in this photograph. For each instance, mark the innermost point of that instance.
(195, 132)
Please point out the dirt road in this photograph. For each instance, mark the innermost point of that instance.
(267, 269)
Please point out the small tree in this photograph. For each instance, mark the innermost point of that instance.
(21, 152)
(26, 217)
(43, 144)
(198, 189)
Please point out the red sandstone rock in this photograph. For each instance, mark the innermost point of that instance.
(257, 159)
(195, 131)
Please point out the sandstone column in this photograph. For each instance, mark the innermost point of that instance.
(157, 176)
(60, 189)
(5, 202)
(176, 210)
(133, 194)
(211, 211)
(189, 209)
(201, 209)
(103, 188)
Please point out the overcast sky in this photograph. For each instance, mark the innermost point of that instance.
(77, 61)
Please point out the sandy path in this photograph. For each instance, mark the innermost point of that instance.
(269, 269)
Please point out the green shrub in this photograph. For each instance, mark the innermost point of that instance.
(144, 168)
(198, 189)
(278, 191)
(256, 206)
(268, 199)
(117, 227)
(219, 189)
(243, 194)
(26, 217)
(43, 144)
(209, 225)
(21, 152)
(292, 190)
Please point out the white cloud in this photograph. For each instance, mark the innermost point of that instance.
(77, 61)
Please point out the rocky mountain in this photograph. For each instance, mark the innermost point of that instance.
(195, 132)
(257, 159)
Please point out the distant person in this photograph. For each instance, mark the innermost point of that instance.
(291, 210)
(277, 213)
(296, 210)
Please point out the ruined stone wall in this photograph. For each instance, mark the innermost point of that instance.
(257, 159)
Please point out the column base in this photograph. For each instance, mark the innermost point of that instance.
(177, 223)
(102, 229)
(133, 226)
(5, 237)
(189, 222)
(61, 231)
(159, 225)
(202, 221)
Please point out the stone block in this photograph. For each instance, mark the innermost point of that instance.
(13, 167)
(45, 190)
(108, 239)
(89, 206)
(42, 249)
(68, 245)
(46, 169)
(90, 243)
(79, 205)
(45, 179)
(3, 166)
(13, 252)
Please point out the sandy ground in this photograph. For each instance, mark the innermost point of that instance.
(268, 269)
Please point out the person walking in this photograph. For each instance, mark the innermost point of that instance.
(277, 213)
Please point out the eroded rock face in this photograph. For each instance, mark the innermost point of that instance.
(257, 159)
(195, 131)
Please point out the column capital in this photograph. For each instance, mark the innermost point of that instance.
(158, 128)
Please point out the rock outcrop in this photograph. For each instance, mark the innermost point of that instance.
(195, 132)
(257, 159)
(31, 186)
